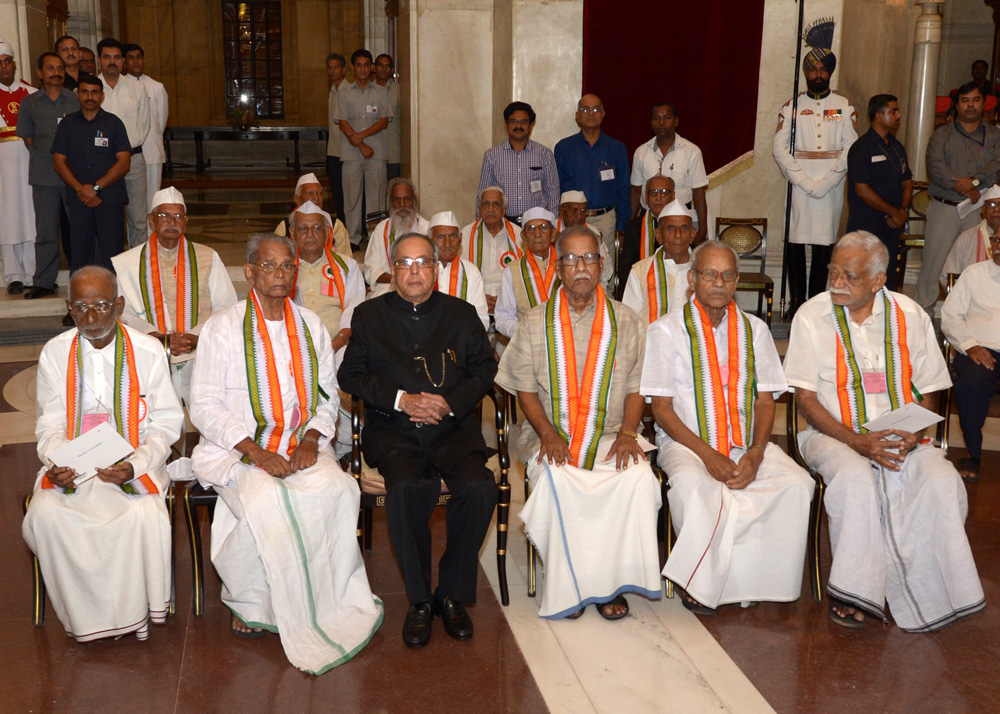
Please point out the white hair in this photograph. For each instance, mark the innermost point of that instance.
(716, 245)
(878, 254)
(503, 195)
(255, 241)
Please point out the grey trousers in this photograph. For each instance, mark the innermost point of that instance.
(136, 211)
(943, 227)
(50, 202)
(366, 175)
(605, 223)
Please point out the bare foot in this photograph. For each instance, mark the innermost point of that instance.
(847, 612)
(613, 609)
(243, 629)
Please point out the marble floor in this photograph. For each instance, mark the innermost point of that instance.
(773, 657)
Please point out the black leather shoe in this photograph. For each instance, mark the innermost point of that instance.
(38, 292)
(68, 320)
(417, 627)
(15, 288)
(457, 622)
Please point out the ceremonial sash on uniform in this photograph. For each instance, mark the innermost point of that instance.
(262, 375)
(725, 412)
(187, 286)
(458, 280)
(476, 245)
(647, 235)
(579, 409)
(10, 105)
(129, 408)
(898, 369)
(658, 287)
(334, 274)
(537, 287)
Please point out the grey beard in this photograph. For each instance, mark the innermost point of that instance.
(400, 224)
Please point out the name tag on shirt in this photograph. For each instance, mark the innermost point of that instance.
(874, 382)
(101, 141)
(89, 421)
(58, 119)
(371, 109)
(876, 159)
(607, 174)
(535, 186)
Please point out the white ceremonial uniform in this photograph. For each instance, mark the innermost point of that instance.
(636, 294)
(17, 229)
(969, 316)
(896, 536)
(732, 545)
(474, 295)
(377, 254)
(683, 163)
(105, 555)
(825, 131)
(153, 152)
(285, 549)
(494, 248)
(215, 292)
(970, 247)
(129, 102)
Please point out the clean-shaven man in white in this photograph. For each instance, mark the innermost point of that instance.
(455, 275)
(492, 242)
(403, 218)
(153, 152)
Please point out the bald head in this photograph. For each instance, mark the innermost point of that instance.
(589, 113)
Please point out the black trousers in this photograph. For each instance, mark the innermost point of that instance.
(627, 257)
(412, 489)
(797, 271)
(333, 172)
(890, 238)
(93, 229)
(974, 388)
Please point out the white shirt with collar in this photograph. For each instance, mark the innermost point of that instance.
(970, 317)
(683, 163)
(159, 108)
(129, 102)
(475, 295)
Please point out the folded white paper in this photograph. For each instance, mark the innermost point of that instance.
(99, 448)
(967, 206)
(911, 418)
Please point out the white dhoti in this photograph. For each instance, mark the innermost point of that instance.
(737, 545)
(288, 556)
(595, 532)
(105, 557)
(897, 537)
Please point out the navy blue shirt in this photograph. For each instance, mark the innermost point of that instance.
(90, 147)
(601, 171)
(884, 168)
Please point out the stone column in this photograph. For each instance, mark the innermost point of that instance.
(923, 85)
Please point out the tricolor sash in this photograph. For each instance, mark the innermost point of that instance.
(262, 375)
(186, 310)
(725, 412)
(129, 407)
(898, 369)
(387, 237)
(579, 409)
(335, 272)
(458, 280)
(538, 287)
(658, 285)
(647, 235)
(476, 245)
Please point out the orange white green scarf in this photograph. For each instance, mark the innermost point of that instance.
(458, 280)
(579, 410)
(476, 245)
(725, 411)
(129, 407)
(538, 287)
(658, 285)
(334, 274)
(187, 286)
(898, 369)
(647, 235)
(262, 375)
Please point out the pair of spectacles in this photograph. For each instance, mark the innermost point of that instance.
(589, 110)
(79, 309)
(269, 268)
(519, 122)
(992, 204)
(659, 192)
(164, 216)
(421, 263)
(683, 229)
(587, 258)
(302, 230)
(543, 227)
(710, 276)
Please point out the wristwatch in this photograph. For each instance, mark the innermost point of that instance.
(975, 182)
(96, 188)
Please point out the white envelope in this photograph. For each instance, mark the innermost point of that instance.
(99, 448)
(911, 418)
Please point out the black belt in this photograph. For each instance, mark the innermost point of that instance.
(600, 211)
(136, 150)
(945, 201)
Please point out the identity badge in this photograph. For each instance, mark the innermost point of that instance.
(607, 174)
(101, 141)
(536, 186)
(372, 109)
(874, 382)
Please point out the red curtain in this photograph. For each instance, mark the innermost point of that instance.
(702, 55)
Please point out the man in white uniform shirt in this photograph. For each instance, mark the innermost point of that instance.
(308, 188)
(974, 245)
(530, 280)
(896, 506)
(171, 285)
(455, 275)
(153, 152)
(104, 544)
(971, 322)
(740, 505)
(492, 241)
(403, 218)
(126, 98)
(659, 283)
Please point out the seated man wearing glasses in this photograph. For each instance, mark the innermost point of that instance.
(171, 285)
(264, 397)
(308, 189)
(104, 544)
(740, 505)
(639, 241)
(575, 363)
(421, 361)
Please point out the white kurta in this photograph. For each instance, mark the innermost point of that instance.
(494, 247)
(377, 255)
(824, 134)
(285, 549)
(636, 294)
(969, 316)
(512, 302)
(732, 545)
(17, 228)
(105, 555)
(475, 295)
(966, 250)
(896, 536)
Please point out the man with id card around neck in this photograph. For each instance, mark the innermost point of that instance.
(104, 544)
(896, 505)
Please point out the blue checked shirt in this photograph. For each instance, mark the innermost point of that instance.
(516, 173)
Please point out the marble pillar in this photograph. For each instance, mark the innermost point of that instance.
(923, 85)
(23, 25)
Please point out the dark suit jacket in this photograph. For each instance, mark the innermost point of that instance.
(388, 337)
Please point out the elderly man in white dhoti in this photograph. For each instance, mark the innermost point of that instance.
(896, 506)
(104, 544)
(283, 538)
(740, 505)
(575, 363)
(171, 285)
